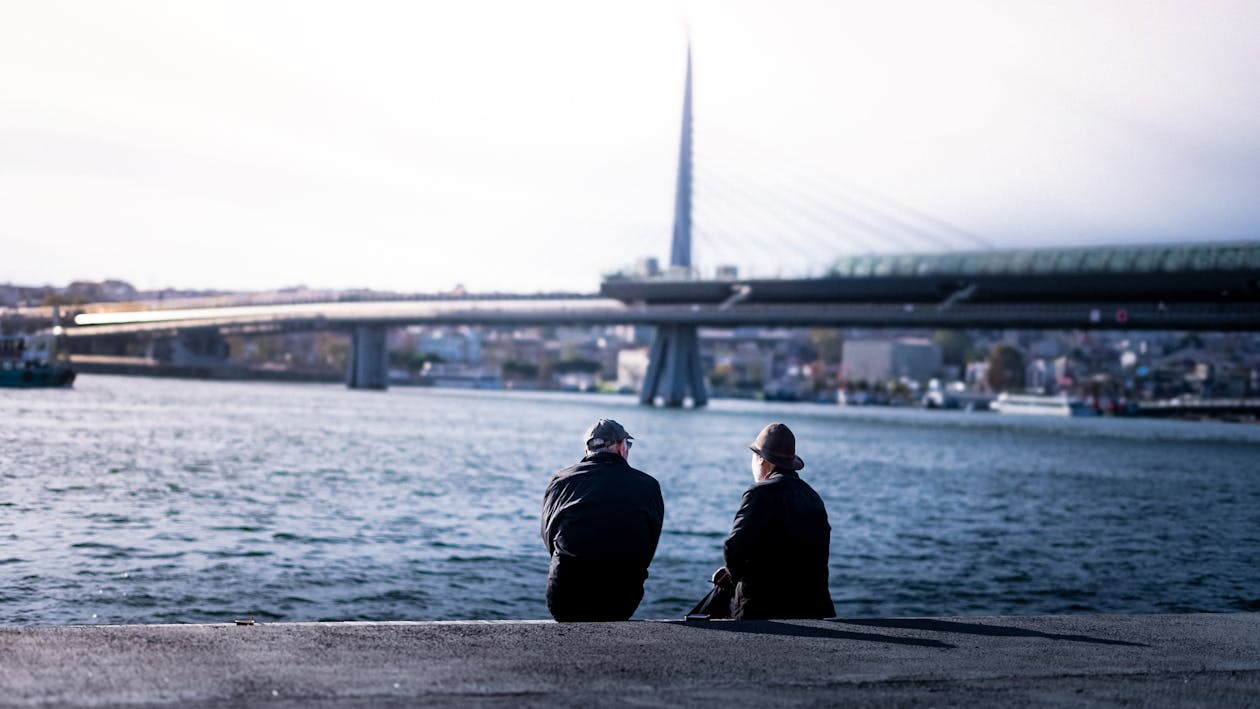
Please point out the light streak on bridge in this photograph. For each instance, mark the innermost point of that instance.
(606, 311)
(334, 315)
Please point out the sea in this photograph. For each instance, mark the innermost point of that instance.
(138, 500)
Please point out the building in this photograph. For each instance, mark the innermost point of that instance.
(632, 364)
(462, 346)
(1046, 376)
(916, 359)
(647, 267)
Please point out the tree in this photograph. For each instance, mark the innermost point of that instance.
(829, 343)
(61, 299)
(519, 370)
(332, 350)
(955, 346)
(411, 360)
(1006, 368)
(722, 375)
(576, 366)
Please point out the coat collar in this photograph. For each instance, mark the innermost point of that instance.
(604, 457)
(780, 472)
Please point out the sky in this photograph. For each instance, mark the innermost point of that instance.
(532, 146)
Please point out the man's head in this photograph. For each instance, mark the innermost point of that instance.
(776, 444)
(608, 435)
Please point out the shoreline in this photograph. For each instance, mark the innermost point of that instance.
(1091, 660)
(1149, 411)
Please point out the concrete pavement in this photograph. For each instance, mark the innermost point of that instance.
(1083, 660)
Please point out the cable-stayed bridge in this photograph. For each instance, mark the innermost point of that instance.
(1199, 287)
(871, 262)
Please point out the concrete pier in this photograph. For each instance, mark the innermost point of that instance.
(368, 364)
(1147, 660)
(674, 368)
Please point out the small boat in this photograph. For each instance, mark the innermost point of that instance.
(1041, 405)
(31, 361)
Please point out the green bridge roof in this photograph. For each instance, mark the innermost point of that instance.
(1170, 258)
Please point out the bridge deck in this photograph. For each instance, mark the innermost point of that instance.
(334, 316)
(1198, 287)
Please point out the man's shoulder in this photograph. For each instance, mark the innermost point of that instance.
(774, 486)
(769, 485)
(566, 472)
(790, 489)
(646, 480)
(602, 464)
(603, 472)
(635, 471)
(622, 472)
(566, 477)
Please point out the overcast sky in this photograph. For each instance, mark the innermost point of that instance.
(525, 146)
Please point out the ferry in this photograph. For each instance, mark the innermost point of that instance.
(1041, 405)
(28, 361)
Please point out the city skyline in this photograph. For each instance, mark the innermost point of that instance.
(501, 147)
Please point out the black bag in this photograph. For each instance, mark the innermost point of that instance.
(716, 604)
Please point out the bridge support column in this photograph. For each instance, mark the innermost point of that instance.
(368, 364)
(674, 368)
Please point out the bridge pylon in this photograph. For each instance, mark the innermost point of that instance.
(675, 372)
(368, 364)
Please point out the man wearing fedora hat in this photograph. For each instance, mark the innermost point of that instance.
(601, 521)
(780, 542)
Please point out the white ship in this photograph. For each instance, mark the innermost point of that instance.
(1041, 405)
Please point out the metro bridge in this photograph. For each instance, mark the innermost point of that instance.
(1186, 287)
(1200, 287)
(1158, 287)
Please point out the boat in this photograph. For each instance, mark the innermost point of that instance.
(954, 395)
(1041, 405)
(28, 361)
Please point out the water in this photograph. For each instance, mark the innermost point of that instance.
(130, 500)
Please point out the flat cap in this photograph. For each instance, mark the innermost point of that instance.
(605, 432)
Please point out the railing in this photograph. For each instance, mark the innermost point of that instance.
(1177, 258)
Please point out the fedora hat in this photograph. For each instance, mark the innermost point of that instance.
(776, 444)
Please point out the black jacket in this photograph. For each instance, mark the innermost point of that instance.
(601, 521)
(778, 551)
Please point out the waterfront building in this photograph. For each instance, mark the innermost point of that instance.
(632, 364)
(461, 345)
(1045, 375)
(913, 359)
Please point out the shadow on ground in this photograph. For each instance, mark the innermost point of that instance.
(770, 627)
(951, 626)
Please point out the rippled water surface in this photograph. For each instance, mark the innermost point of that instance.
(129, 500)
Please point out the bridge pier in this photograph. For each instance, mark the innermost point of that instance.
(674, 368)
(368, 364)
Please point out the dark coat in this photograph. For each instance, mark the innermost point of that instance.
(601, 521)
(778, 551)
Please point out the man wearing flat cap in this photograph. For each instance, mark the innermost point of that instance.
(778, 550)
(601, 521)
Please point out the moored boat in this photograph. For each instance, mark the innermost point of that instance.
(1041, 405)
(28, 361)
